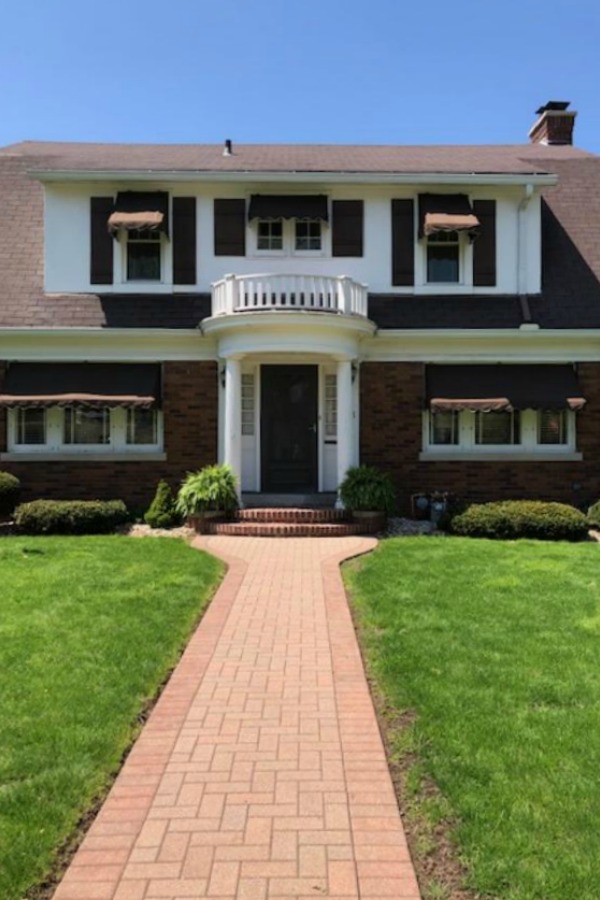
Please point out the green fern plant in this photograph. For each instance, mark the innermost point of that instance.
(213, 488)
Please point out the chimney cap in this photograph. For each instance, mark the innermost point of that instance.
(553, 106)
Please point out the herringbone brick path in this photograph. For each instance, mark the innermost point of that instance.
(260, 774)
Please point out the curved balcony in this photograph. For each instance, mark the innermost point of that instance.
(269, 292)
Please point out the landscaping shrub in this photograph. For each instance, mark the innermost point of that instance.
(10, 490)
(593, 515)
(162, 513)
(510, 519)
(367, 489)
(213, 488)
(70, 516)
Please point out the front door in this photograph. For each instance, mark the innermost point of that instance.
(288, 413)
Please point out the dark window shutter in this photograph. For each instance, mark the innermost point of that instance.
(347, 227)
(484, 247)
(230, 227)
(101, 241)
(184, 240)
(403, 242)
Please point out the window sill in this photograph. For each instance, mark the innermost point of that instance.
(517, 456)
(58, 456)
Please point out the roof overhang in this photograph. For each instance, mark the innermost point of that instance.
(542, 179)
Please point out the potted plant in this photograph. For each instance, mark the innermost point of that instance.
(210, 493)
(369, 494)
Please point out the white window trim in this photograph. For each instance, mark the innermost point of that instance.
(465, 268)
(527, 449)
(55, 448)
(120, 264)
(289, 242)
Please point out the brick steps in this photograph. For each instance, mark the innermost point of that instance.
(285, 529)
(293, 515)
(289, 522)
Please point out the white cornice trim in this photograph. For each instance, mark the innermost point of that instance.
(104, 344)
(175, 175)
(481, 345)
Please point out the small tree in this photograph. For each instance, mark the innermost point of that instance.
(162, 513)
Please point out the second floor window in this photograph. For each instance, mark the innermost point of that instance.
(308, 235)
(443, 258)
(143, 256)
(286, 237)
(270, 234)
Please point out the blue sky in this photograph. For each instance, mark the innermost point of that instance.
(376, 71)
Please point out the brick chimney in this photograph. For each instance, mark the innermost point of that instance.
(554, 124)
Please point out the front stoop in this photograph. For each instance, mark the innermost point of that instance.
(288, 522)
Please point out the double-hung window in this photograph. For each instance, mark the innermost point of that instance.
(289, 237)
(443, 257)
(308, 235)
(269, 234)
(30, 426)
(143, 255)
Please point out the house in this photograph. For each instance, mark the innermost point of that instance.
(293, 310)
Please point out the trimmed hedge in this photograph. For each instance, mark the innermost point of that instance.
(510, 519)
(10, 491)
(70, 516)
(162, 513)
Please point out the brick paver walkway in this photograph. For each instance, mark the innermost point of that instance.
(260, 774)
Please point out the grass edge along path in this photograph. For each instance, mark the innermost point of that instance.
(90, 629)
(487, 656)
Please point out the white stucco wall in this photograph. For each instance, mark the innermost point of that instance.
(67, 247)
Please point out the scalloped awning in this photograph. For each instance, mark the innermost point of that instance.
(91, 385)
(140, 211)
(288, 206)
(493, 388)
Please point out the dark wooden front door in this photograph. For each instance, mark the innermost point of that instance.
(288, 414)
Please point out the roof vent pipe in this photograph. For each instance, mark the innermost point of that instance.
(227, 151)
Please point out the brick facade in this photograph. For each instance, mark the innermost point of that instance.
(190, 411)
(392, 401)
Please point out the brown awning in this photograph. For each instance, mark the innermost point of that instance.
(292, 206)
(446, 212)
(91, 385)
(140, 210)
(498, 387)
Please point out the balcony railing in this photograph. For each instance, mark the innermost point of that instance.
(321, 293)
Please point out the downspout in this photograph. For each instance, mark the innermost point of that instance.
(522, 255)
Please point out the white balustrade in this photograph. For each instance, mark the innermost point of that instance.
(324, 293)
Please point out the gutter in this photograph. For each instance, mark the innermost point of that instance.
(47, 176)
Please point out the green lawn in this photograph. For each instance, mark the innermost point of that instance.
(89, 627)
(496, 648)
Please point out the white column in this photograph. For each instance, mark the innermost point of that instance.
(345, 423)
(233, 417)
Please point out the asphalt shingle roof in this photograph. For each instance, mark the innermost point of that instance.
(571, 223)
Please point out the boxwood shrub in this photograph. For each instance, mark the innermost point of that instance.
(510, 519)
(10, 490)
(70, 516)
